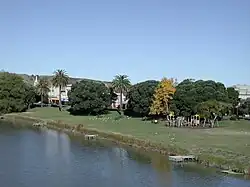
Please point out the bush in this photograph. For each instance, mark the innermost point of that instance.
(233, 118)
(155, 121)
(118, 117)
(89, 98)
(140, 98)
(247, 118)
(15, 94)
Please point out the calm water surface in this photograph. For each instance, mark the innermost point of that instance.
(51, 159)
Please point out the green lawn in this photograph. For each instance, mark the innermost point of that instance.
(230, 140)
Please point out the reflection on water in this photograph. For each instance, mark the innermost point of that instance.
(49, 158)
(57, 144)
(51, 143)
(65, 147)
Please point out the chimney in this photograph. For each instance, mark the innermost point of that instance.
(36, 80)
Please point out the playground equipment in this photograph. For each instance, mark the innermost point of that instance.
(193, 121)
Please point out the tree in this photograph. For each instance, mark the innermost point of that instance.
(43, 89)
(121, 83)
(161, 99)
(140, 98)
(211, 108)
(190, 93)
(244, 107)
(89, 97)
(173, 108)
(30, 95)
(13, 93)
(60, 80)
(233, 97)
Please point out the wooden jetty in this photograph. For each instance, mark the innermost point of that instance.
(39, 124)
(230, 172)
(90, 136)
(36, 124)
(179, 158)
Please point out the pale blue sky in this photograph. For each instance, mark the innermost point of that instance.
(145, 39)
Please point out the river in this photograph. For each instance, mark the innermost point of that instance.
(49, 158)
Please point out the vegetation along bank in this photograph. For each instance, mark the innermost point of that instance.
(228, 154)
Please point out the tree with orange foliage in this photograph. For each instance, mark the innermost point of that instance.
(163, 94)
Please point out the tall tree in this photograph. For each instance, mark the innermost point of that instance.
(211, 108)
(163, 94)
(244, 107)
(43, 88)
(14, 93)
(140, 98)
(190, 93)
(121, 83)
(233, 97)
(30, 95)
(60, 80)
(89, 98)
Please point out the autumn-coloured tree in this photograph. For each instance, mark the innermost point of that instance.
(163, 94)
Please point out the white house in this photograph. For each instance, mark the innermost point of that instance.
(244, 90)
(54, 93)
(36, 80)
(117, 102)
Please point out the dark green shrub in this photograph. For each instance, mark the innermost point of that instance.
(233, 118)
(118, 117)
(89, 98)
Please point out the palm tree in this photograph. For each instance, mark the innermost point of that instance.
(43, 88)
(60, 80)
(121, 83)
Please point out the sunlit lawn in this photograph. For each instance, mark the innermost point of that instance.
(231, 139)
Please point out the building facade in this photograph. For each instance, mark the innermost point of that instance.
(53, 94)
(117, 102)
(243, 89)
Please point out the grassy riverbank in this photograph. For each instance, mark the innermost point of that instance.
(227, 144)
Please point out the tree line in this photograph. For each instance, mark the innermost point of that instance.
(148, 98)
(16, 95)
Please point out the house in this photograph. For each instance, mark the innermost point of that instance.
(243, 89)
(117, 102)
(53, 94)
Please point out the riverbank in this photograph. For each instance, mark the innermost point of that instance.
(56, 159)
(225, 147)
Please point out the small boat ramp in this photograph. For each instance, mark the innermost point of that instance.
(179, 158)
(90, 136)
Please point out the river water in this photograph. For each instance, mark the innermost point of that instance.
(48, 158)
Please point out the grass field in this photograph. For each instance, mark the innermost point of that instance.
(230, 141)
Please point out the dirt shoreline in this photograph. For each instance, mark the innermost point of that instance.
(206, 160)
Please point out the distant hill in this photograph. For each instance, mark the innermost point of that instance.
(31, 78)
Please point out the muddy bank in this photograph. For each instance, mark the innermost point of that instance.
(206, 160)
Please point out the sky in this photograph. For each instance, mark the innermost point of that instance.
(144, 39)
